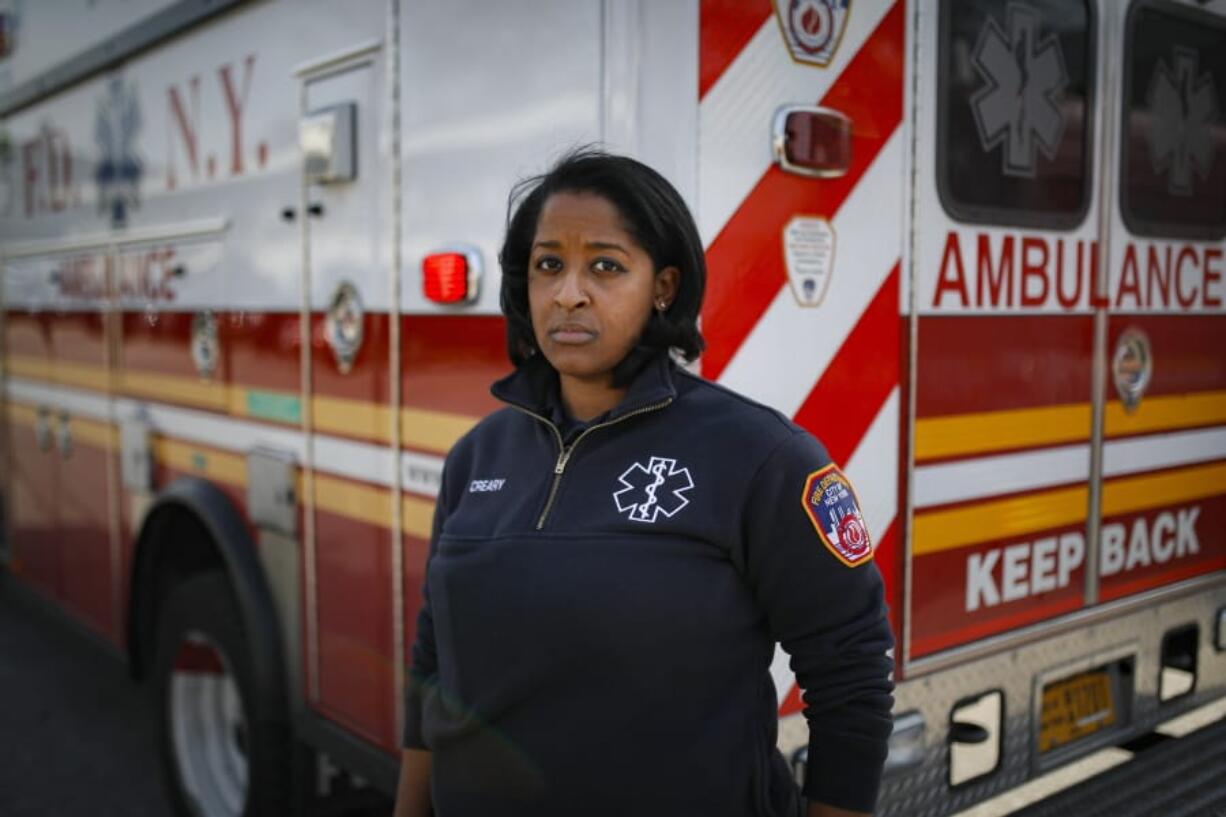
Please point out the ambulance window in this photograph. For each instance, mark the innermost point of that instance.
(1014, 111)
(1173, 161)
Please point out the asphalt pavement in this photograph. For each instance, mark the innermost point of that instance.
(77, 735)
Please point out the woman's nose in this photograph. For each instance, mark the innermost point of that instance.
(570, 293)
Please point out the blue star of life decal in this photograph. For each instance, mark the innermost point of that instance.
(117, 125)
(655, 489)
(1024, 77)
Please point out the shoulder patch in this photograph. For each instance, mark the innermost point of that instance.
(830, 502)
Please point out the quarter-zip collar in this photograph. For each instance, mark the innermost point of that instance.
(533, 387)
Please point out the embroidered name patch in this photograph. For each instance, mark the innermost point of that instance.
(483, 486)
(831, 504)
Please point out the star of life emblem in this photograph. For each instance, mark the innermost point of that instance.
(1182, 107)
(812, 28)
(1024, 79)
(654, 489)
(117, 125)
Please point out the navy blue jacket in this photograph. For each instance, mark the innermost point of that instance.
(600, 611)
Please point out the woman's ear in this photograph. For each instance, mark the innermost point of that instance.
(668, 281)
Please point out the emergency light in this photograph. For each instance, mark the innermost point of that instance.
(451, 275)
(811, 141)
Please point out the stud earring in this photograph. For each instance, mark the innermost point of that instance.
(661, 306)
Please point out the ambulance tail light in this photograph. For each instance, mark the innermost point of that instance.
(451, 275)
(812, 141)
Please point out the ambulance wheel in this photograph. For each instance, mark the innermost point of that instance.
(219, 757)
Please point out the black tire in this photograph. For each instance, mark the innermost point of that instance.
(202, 613)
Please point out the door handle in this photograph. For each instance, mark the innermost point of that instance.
(42, 429)
(64, 438)
(315, 209)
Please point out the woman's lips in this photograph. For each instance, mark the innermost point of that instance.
(571, 334)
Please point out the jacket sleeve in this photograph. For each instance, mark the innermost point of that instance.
(423, 662)
(824, 602)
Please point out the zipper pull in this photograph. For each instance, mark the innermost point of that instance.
(563, 456)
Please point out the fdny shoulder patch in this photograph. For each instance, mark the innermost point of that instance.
(830, 502)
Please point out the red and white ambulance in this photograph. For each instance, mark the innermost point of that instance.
(977, 246)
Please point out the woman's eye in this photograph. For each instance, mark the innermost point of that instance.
(607, 265)
(548, 263)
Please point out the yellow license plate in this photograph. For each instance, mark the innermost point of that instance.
(1075, 707)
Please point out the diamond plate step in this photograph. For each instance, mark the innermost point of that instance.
(1183, 777)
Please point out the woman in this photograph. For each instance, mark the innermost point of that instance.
(616, 552)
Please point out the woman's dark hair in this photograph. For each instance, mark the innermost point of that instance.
(654, 213)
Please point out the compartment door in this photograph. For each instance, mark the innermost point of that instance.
(1164, 452)
(349, 617)
(84, 443)
(33, 465)
(1003, 259)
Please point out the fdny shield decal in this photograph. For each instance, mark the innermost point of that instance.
(831, 504)
(812, 28)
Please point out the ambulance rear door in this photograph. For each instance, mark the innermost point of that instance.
(1163, 498)
(1003, 253)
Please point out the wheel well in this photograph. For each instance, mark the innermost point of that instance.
(193, 527)
(173, 545)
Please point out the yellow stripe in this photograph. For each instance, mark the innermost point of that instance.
(25, 366)
(420, 428)
(202, 393)
(936, 531)
(193, 459)
(1165, 413)
(985, 432)
(138, 384)
(361, 502)
(1130, 494)
(89, 432)
(360, 418)
(372, 504)
(417, 516)
(434, 430)
(423, 429)
(365, 503)
(961, 434)
(23, 414)
(62, 372)
(92, 432)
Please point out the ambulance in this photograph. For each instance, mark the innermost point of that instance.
(250, 300)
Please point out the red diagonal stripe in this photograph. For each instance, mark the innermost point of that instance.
(725, 26)
(858, 380)
(745, 261)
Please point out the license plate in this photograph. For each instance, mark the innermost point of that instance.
(1075, 707)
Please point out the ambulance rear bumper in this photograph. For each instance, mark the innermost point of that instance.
(1181, 777)
(1131, 643)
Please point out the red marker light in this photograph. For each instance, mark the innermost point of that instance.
(812, 141)
(444, 277)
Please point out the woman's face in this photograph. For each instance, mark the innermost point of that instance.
(591, 287)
